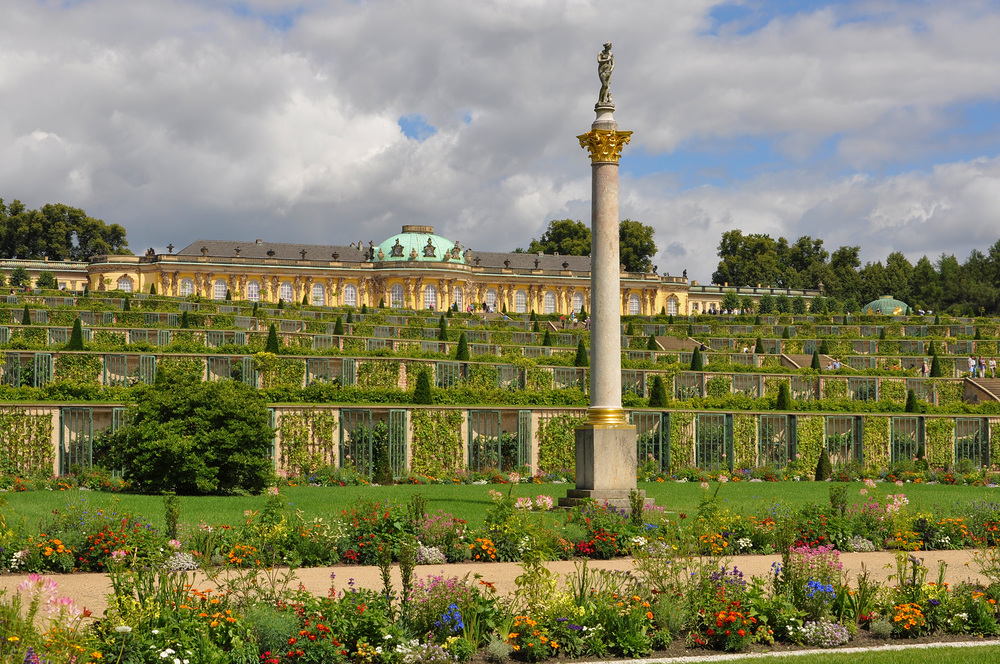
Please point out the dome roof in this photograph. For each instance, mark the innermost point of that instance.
(419, 243)
(887, 306)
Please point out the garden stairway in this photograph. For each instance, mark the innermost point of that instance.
(803, 361)
(677, 345)
(991, 386)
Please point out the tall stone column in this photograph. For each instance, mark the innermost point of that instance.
(606, 443)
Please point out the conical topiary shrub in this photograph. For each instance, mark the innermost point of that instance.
(547, 338)
(76, 337)
(338, 327)
(815, 361)
(272, 340)
(697, 363)
(784, 400)
(462, 352)
(651, 343)
(936, 367)
(422, 392)
(442, 329)
(658, 393)
(824, 470)
(759, 346)
(582, 356)
(911, 402)
(26, 316)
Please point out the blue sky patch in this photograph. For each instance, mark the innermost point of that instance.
(749, 16)
(277, 20)
(416, 127)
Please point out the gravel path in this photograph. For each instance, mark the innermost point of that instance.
(90, 589)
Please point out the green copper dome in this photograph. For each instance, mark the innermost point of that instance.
(418, 243)
(887, 306)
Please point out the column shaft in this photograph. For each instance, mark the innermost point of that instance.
(605, 336)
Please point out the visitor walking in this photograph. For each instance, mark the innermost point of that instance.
(972, 366)
(993, 367)
(924, 369)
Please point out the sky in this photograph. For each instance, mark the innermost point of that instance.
(873, 123)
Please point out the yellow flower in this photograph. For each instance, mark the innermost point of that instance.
(13, 639)
(96, 655)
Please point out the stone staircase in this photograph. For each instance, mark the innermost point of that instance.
(989, 386)
(676, 345)
(803, 361)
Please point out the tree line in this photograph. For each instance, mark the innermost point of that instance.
(943, 285)
(572, 238)
(57, 232)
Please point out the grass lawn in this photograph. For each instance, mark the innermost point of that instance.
(934, 655)
(466, 501)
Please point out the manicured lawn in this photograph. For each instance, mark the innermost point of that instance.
(936, 655)
(467, 501)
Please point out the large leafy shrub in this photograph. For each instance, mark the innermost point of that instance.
(195, 437)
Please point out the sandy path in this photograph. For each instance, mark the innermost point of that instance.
(90, 589)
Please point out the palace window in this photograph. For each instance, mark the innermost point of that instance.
(457, 298)
(491, 299)
(396, 295)
(219, 290)
(633, 305)
(430, 297)
(253, 291)
(672, 306)
(318, 295)
(350, 295)
(550, 302)
(521, 302)
(125, 284)
(187, 287)
(577, 302)
(285, 292)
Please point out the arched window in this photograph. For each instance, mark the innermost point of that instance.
(550, 302)
(577, 302)
(253, 291)
(491, 299)
(458, 297)
(633, 305)
(350, 295)
(521, 302)
(672, 306)
(318, 295)
(187, 287)
(285, 292)
(125, 284)
(219, 290)
(430, 297)
(396, 296)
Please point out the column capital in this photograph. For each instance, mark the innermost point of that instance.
(604, 145)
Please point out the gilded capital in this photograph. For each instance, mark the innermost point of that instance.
(605, 145)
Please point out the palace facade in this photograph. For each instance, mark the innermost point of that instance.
(413, 269)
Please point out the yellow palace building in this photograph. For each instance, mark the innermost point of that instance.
(412, 269)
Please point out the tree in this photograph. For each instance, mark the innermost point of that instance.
(46, 281)
(57, 232)
(442, 329)
(747, 260)
(26, 316)
(746, 304)
(759, 346)
(636, 244)
(272, 340)
(911, 402)
(152, 289)
(651, 343)
(815, 361)
(76, 336)
(422, 392)
(195, 437)
(824, 347)
(782, 304)
(784, 400)
(697, 363)
(798, 305)
(547, 338)
(658, 393)
(766, 304)
(568, 237)
(338, 327)
(185, 320)
(936, 367)
(582, 357)
(19, 277)
(127, 304)
(462, 352)
(730, 301)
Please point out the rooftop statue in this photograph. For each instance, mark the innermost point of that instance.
(605, 65)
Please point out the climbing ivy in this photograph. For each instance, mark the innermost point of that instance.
(834, 388)
(82, 368)
(892, 390)
(436, 442)
(949, 393)
(809, 442)
(557, 442)
(276, 371)
(307, 440)
(681, 441)
(994, 440)
(382, 374)
(26, 443)
(939, 436)
(875, 441)
(744, 440)
(719, 386)
(193, 367)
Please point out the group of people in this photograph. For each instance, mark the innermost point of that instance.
(978, 366)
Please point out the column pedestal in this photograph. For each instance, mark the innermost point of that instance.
(605, 466)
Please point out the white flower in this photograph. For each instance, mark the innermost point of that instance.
(123, 629)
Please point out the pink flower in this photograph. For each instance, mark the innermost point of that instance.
(723, 479)
(870, 483)
(864, 492)
(175, 545)
(523, 504)
(514, 478)
(543, 502)
(899, 482)
(704, 485)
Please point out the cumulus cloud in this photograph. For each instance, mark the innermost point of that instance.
(281, 119)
